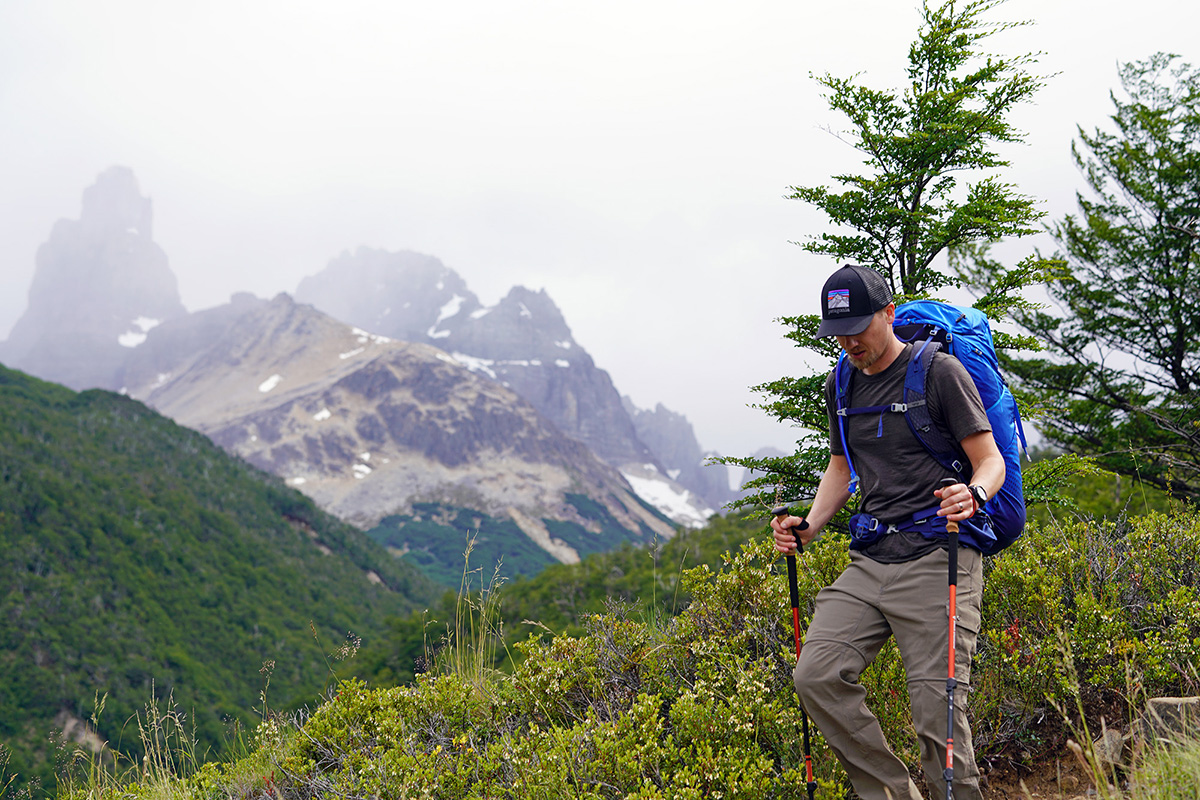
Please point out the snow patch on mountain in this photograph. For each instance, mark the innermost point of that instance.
(481, 365)
(682, 506)
(143, 326)
(270, 383)
(367, 336)
(450, 309)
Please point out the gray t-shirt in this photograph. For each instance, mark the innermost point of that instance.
(897, 475)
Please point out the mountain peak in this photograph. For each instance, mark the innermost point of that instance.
(100, 285)
(403, 294)
(114, 203)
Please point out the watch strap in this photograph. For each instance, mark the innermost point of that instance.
(978, 494)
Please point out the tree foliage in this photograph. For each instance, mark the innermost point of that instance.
(1122, 371)
(914, 204)
(948, 120)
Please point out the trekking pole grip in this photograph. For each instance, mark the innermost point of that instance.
(780, 512)
(952, 534)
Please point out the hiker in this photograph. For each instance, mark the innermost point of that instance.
(896, 582)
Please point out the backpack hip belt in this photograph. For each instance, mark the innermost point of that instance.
(976, 531)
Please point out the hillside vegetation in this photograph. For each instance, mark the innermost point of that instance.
(559, 600)
(139, 561)
(1082, 619)
(434, 536)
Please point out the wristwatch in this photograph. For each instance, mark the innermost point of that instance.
(979, 494)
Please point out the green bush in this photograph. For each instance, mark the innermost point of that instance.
(1114, 600)
(698, 705)
(701, 704)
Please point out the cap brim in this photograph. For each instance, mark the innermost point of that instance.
(844, 326)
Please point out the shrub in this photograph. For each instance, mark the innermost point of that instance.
(702, 705)
(1121, 595)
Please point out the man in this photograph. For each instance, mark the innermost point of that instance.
(897, 580)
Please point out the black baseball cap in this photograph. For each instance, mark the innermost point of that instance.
(850, 299)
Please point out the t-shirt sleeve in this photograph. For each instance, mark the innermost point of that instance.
(953, 399)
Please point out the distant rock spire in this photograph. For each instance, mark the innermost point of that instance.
(100, 286)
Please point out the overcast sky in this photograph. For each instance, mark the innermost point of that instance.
(631, 158)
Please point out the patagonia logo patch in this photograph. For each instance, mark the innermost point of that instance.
(838, 300)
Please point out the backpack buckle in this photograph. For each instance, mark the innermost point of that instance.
(900, 408)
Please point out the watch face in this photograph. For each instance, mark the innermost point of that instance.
(979, 494)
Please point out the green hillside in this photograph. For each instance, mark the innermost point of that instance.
(138, 561)
(434, 536)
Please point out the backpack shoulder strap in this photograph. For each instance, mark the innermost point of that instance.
(842, 373)
(916, 410)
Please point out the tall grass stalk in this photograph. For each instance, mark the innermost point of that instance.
(168, 758)
(7, 779)
(470, 649)
(1164, 773)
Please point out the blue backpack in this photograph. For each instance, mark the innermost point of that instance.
(965, 334)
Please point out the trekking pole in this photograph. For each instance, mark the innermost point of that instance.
(794, 589)
(951, 683)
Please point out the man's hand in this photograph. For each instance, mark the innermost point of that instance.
(957, 502)
(785, 529)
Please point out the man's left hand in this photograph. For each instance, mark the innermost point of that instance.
(957, 502)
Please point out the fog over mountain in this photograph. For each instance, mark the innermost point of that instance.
(631, 159)
(496, 409)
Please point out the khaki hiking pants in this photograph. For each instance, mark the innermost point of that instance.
(854, 617)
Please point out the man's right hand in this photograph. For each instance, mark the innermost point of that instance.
(785, 530)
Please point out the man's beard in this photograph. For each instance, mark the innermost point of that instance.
(865, 361)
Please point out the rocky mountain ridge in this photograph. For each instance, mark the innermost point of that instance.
(367, 425)
(504, 412)
(525, 343)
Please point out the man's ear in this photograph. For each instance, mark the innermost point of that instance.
(889, 313)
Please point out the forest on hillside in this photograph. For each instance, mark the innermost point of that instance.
(142, 563)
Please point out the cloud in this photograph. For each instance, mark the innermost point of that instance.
(629, 157)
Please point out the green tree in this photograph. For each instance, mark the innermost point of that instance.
(1122, 368)
(932, 155)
